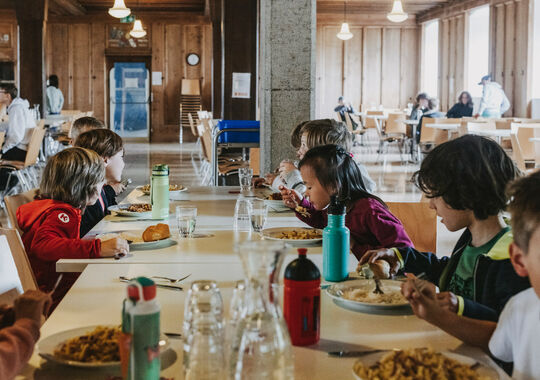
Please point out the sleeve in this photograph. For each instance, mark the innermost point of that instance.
(500, 344)
(16, 346)
(7, 316)
(386, 228)
(110, 194)
(505, 105)
(16, 129)
(417, 262)
(60, 100)
(294, 181)
(483, 101)
(316, 217)
(452, 112)
(278, 181)
(53, 239)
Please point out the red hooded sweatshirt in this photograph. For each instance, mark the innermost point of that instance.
(51, 232)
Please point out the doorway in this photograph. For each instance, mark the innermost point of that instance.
(129, 97)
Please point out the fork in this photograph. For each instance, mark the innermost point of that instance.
(378, 284)
(171, 280)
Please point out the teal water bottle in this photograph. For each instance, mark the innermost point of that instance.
(139, 342)
(336, 243)
(159, 192)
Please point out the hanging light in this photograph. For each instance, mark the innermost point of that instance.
(119, 10)
(397, 14)
(137, 31)
(344, 34)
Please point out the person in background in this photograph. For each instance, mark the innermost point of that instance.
(19, 331)
(494, 101)
(432, 111)
(464, 107)
(85, 124)
(343, 108)
(55, 98)
(421, 106)
(515, 337)
(110, 147)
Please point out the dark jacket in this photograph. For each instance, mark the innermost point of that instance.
(93, 214)
(495, 280)
(349, 109)
(459, 110)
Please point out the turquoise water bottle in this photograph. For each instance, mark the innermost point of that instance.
(336, 243)
(159, 192)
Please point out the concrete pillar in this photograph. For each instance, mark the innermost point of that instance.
(287, 74)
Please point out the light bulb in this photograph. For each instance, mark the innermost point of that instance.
(137, 30)
(344, 33)
(397, 14)
(119, 10)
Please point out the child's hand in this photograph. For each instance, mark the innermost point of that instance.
(387, 255)
(290, 197)
(448, 300)
(422, 297)
(33, 305)
(114, 247)
(118, 187)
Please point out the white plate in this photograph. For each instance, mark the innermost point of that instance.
(483, 370)
(46, 346)
(137, 243)
(275, 205)
(122, 210)
(172, 192)
(336, 292)
(274, 233)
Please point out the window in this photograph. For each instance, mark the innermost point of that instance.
(478, 49)
(430, 58)
(536, 51)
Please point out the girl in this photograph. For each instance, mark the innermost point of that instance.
(329, 170)
(72, 180)
(466, 179)
(463, 108)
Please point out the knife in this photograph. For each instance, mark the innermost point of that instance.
(172, 287)
(130, 219)
(352, 354)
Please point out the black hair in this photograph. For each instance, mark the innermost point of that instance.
(340, 99)
(469, 173)
(470, 102)
(421, 95)
(10, 89)
(53, 81)
(336, 169)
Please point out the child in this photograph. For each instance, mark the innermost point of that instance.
(329, 170)
(516, 336)
(19, 331)
(465, 180)
(72, 180)
(85, 124)
(110, 147)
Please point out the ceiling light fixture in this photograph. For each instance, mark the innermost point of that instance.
(397, 14)
(344, 34)
(137, 31)
(119, 9)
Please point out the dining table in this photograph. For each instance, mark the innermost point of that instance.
(96, 297)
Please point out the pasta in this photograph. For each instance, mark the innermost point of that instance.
(366, 295)
(146, 188)
(301, 234)
(139, 207)
(100, 345)
(275, 197)
(416, 364)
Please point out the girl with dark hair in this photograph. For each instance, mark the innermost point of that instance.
(330, 170)
(55, 98)
(464, 106)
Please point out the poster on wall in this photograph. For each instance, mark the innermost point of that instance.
(118, 37)
(5, 35)
(241, 84)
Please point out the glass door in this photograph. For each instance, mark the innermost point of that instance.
(129, 98)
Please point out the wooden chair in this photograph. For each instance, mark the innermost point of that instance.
(2, 138)
(473, 127)
(13, 202)
(192, 125)
(369, 122)
(518, 157)
(70, 112)
(255, 160)
(524, 132)
(430, 136)
(419, 221)
(20, 258)
(359, 131)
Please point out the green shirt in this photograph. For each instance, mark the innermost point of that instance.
(462, 281)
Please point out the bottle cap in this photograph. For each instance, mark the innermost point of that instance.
(142, 285)
(302, 252)
(336, 207)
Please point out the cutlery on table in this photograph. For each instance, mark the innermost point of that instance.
(58, 280)
(378, 285)
(163, 286)
(171, 280)
(173, 335)
(131, 219)
(353, 354)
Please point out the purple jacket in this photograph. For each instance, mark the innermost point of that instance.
(371, 224)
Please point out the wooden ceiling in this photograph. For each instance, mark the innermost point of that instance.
(79, 7)
(376, 6)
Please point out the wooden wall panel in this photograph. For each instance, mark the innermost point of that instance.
(452, 33)
(331, 74)
(99, 72)
(80, 66)
(158, 64)
(409, 77)
(498, 43)
(174, 70)
(521, 57)
(206, 68)
(391, 62)
(460, 61)
(372, 67)
(444, 51)
(509, 43)
(57, 60)
(352, 77)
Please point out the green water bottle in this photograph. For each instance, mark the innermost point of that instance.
(139, 341)
(336, 243)
(159, 192)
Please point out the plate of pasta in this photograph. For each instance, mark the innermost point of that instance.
(87, 347)
(133, 209)
(294, 235)
(173, 188)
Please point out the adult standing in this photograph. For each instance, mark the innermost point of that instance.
(494, 101)
(55, 98)
(464, 107)
(343, 108)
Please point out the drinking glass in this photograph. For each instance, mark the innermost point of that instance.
(186, 218)
(241, 215)
(245, 175)
(258, 214)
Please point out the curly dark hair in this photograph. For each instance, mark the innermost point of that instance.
(469, 173)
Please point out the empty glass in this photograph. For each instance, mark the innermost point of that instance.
(241, 215)
(186, 219)
(245, 176)
(258, 214)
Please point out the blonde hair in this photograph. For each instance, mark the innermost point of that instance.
(327, 131)
(72, 176)
(85, 124)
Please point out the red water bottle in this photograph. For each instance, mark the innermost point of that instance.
(302, 306)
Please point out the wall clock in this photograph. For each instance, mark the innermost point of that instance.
(193, 59)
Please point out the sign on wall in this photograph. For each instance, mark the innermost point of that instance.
(118, 37)
(241, 85)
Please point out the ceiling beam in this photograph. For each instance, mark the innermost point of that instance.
(67, 7)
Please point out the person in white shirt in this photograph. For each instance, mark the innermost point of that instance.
(55, 98)
(515, 338)
(494, 101)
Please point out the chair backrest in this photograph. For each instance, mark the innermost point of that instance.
(503, 124)
(348, 121)
(432, 135)
(524, 132)
(192, 125)
(13, 202)
(255, 160)
(395, 124)
(26, 275)
(338, 117)
(10, 282)
(517, 153)
(69, 112)
(206, 139)
(479, 126)
(419, 221)
(370, 123)
(2, 138)
(34, 146)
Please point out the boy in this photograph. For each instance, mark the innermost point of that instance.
(516, 336)
(85, 124)
(110, 147)
(465, 180)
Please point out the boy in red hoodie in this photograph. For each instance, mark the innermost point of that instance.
(71, 181)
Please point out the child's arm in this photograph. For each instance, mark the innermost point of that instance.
(16, 346)
(314, 218)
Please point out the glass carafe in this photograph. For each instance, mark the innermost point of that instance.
(261, 347)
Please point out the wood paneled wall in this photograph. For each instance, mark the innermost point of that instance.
(379, 65)
(76, 53)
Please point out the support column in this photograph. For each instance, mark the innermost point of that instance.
(287, 80)
(32, 20)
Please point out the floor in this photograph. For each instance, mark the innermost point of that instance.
(393, 178)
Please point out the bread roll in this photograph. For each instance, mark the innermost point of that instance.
(158, 232)
(380, 269)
